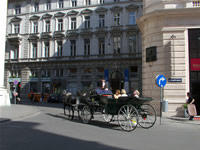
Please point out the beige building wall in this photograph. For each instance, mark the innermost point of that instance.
(166, 27)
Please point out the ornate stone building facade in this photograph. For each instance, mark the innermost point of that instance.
(171, 30)
(72, 44)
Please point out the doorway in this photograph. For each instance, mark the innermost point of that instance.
(116, 81)
(194, 61)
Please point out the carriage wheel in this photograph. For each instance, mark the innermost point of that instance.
(147, 116)
(128, 117)
(68, 111)
(86, 114)
(107, 117)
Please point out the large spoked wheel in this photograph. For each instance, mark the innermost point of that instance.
(68, 111)
(107, 117)
(128, 117)
(86, 114)
(147, 116)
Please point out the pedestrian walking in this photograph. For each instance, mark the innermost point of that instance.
(190, 101)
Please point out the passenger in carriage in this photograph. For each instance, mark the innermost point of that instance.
(117, 94)
(136, 93)
(123, 93)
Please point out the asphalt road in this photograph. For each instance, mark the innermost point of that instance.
(50, 130)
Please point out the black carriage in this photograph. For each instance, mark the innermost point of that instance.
(130, 111)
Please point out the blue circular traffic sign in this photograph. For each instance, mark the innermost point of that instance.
(161, 80)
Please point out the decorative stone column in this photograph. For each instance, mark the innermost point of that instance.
(4, 96)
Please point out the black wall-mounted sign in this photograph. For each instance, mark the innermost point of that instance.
(151, 54)
(174, 79)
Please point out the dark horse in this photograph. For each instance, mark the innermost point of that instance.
(70, 102)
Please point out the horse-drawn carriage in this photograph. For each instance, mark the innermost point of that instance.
(128, 111)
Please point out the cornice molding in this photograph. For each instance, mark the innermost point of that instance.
(15, 19)
(34, 17)
(131, 7)
(72, 13)
(101, 10)
(59, 14)
(86, 11)
(116, 9)
(46, 16)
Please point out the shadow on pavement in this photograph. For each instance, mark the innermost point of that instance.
(101, 124)
(25, 136)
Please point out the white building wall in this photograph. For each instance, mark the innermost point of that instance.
(26, 43)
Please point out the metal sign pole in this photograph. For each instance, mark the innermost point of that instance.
(161, 82)
(15, 94)
(161, 104)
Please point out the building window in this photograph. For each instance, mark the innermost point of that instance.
(34, 87)
(101, 20)
(132, 44)
(16, 28)
(87, 2)
(100, 69)
(48, 5)
(101, 1)
(60, 4)
(101, 46)
(15, 73)
(134, 71)
(46, 49)
(151, 54)
(116, 45)
(86, 47)
(60, 24)
(73, 48)
(33, 73)
(35, 27)
(14, 53)
(87, 22)
(196, 3)
(116, 19)
(34, 50)
(59, 72)
(45, 73)
(87, 70)
(36, 7)
(47, 26)
(17, 9)
(74, 3)
(132, 18)
(59, 48)
(73, 70)
(73, 23)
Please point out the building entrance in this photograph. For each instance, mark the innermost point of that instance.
(194, 57)
(116, 81)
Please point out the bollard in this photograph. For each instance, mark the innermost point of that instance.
(165, 106)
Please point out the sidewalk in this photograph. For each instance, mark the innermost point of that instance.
(17, 112)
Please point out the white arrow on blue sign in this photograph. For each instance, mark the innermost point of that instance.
(161, 80)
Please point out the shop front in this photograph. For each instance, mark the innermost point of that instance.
(194, 55)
